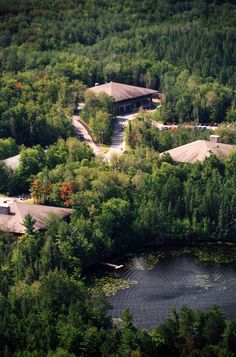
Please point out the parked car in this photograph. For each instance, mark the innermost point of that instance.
(24, 196)
(81, 137)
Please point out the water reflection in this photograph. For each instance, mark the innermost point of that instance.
(175, 281)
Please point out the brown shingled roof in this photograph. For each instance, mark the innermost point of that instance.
(199, 150)
(13, 221)
(120, 91)
(13, 162)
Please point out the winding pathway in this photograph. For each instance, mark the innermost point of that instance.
(118, 137)
(80, 129)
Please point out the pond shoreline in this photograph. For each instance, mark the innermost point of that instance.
(194, 275)
(120, 259)
(147, 258)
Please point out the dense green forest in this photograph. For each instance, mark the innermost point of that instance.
(46, 307)
(50, 52)
(142, 133)
(99, 113)
(194, 35)
(143, 139)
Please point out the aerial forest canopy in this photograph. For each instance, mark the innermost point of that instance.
(120, 39)
(51, 50)
(46, 308)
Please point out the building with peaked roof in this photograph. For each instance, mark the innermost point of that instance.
(127, 98)
(199, 150)
(12, 162)
(13, 215)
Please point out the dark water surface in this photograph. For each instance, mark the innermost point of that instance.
(175, 281)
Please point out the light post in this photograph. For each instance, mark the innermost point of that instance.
(102, 136)
(74, 94)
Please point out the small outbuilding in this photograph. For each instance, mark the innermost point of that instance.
(12, 216)
(199, 150)
(127, 98)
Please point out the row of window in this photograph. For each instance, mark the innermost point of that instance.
(128, 108)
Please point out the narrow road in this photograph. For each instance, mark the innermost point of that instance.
(118, 139)
(80, 130)
(118, 136)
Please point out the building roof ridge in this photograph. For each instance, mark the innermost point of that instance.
(16, 204)
(18, 210)
(122, 91)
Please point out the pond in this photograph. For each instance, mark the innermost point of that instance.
(151, 283)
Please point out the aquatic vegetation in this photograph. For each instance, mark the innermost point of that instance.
(180, 251)
(203, 281)
(116, 322)
(210, 253)
(146, 261)
(219, 254)
(111, 283)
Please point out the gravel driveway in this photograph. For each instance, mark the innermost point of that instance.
(80, 129)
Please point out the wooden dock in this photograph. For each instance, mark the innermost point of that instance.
(113, 266)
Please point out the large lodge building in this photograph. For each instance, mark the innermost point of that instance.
(12, 216)
(127, 98)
